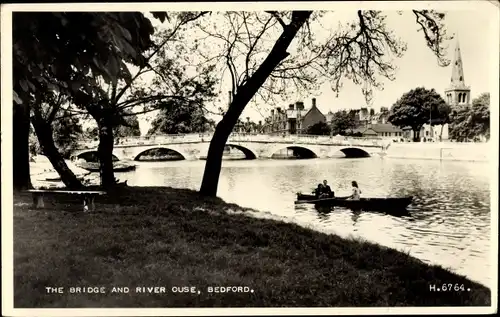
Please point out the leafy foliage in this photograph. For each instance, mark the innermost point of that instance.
(127, 128)
(86, 56)
(130, 127)
(177, 117)
(58, 50)
(413, 109)
(67, 132)
(320, 128)
(343, 122)
(57, 113)
(470, 122)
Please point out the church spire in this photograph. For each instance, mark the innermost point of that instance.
(457, 73)
(458, 93)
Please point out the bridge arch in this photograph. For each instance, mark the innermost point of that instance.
(138, 155)
(91, 156)
(249, 154)
(298, 151)
(354, 152)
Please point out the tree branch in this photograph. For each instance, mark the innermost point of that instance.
(146, 61)
(277, 17)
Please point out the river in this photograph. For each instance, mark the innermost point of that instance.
(449, 221)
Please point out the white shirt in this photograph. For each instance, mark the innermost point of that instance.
(356, 193)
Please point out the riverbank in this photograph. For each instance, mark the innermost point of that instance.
(446, 151)
(160, 236)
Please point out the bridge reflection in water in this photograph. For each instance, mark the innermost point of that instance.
(294, 152)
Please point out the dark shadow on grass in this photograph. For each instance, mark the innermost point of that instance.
(160, 236)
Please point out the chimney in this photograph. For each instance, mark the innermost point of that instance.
(299, 105)
(314, 103)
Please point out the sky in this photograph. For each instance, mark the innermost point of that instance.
(474, 29)
(474, 23)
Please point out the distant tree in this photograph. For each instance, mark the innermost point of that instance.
(67, 132)
(372, 112)
(343, 122)
(178, 116)
(129, 127)
(320, 128)
(471, 122)
(91, 133)
(34, 145)
(413, 109)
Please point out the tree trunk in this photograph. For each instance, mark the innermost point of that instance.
(441, 132)
(244, 94)
(105, 151)
(20, 147)
(45, 137)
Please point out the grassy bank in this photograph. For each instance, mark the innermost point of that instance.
(170, 237)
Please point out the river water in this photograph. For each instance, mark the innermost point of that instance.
(449, 221)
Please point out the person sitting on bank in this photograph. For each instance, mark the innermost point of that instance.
(327, 191)
(356, 192)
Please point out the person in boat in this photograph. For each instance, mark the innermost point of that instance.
(327, 191)
(356, 192)
(318, 191)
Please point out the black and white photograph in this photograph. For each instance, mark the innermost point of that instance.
(250, 158)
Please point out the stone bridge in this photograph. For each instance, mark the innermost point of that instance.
(195, 146)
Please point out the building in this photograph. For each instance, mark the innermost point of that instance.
(294, 120)
(381, 117)
(371, 124)
(456, 95)
(383, 130)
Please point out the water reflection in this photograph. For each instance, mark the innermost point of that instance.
(448, 222)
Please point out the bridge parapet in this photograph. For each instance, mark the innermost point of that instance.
(240, 137)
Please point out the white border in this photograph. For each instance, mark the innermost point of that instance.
(6, 146)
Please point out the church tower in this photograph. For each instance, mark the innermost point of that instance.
(457, 93)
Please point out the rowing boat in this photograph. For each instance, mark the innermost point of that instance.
(121, 166)
(379, 204)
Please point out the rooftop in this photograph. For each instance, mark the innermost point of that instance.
(384, 127)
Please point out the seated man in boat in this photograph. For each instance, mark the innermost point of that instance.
(356, 192)
(318, 191)
(327, 191)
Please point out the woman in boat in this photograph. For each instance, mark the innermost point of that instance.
(356, 192)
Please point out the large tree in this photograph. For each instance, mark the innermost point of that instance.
(343, 122)
(416, 108)
(111, 101)
(66, 133)
(274, 53)
(56, 136)
(471, 122)
(54, 52)
(89, 56)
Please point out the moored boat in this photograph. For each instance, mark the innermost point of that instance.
(117, 166)
(375, 204)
